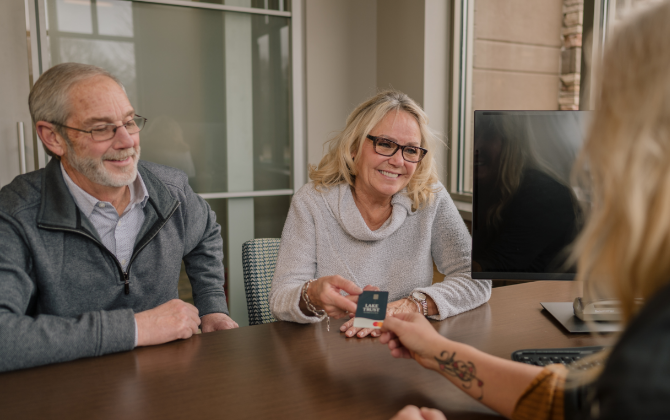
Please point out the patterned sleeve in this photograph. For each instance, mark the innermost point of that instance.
(543, 399)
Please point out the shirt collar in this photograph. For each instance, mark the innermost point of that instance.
(86, 202)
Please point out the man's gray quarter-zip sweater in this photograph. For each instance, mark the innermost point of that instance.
(64, 296)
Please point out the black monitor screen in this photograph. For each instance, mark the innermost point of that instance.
(525, 213)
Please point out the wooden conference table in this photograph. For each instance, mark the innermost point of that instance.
(284, 370)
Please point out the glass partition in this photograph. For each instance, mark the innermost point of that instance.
(215, 86)
(279, 5)
(179, 67)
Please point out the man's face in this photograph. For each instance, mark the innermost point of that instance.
(111, 163)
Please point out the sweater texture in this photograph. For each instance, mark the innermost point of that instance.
(325, 234)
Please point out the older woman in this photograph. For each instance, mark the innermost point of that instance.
(375, 215)
(622, 251)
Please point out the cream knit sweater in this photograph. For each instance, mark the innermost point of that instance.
(325, 234)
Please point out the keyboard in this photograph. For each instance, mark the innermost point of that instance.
(543, 357)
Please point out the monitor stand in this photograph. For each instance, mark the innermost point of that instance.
(601, 316)
(599, 310)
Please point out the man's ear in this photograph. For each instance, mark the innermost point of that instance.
(47, 133)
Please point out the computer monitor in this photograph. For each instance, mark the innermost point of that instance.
(525, 213)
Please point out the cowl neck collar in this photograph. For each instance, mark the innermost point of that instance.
(340, 202)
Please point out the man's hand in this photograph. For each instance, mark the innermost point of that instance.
(170, 321)
(217, 322)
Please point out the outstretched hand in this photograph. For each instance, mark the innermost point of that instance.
(410, 335)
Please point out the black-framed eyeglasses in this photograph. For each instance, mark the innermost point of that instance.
(386, 147)
(104, 132)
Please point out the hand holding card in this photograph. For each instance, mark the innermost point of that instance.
(371, 309)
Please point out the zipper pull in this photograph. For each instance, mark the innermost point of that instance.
(126, 285)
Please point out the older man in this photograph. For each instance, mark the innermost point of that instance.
(91, 246)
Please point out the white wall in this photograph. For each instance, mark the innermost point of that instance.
(400, 46)
(356, 47)
(437, 46)
(341, 57)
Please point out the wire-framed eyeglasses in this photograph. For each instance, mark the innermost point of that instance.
(104, 132)
(386, 147)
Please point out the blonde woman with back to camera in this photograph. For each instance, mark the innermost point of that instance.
(624, 250)
(375, 217)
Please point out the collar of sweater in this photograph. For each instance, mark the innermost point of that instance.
(340, 202)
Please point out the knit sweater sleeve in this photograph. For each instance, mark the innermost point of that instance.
(296, 262)
(451, 250)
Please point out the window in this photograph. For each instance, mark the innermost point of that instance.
(215, 81)
(520, 55)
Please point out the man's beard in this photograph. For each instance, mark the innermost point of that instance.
(95, 171)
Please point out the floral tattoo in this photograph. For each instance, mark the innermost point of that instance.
(465, 371)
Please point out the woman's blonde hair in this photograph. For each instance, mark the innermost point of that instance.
(624, 167)
(338, 166)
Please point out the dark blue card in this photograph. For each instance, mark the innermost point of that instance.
(371, 309)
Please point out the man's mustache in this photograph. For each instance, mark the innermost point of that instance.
(119, 155)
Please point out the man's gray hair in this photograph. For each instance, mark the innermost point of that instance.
(49, 98)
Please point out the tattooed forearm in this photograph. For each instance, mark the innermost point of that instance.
(465, 371)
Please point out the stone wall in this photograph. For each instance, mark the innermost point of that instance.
(516, 54)
(571, 54)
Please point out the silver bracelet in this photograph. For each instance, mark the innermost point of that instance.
(418, 305)
(318, 312)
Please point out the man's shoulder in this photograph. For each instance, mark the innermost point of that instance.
(169, 176)
(22, 193)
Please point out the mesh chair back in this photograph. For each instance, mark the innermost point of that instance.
(259, 257)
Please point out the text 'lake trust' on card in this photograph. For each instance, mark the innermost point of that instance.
(371, 309)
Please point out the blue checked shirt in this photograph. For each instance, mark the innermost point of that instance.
(118, 233)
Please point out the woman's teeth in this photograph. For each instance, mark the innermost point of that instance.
(389, 174)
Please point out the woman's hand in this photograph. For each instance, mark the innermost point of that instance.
(412, 412)
(324, 293)
(397, 307)
(410, 335)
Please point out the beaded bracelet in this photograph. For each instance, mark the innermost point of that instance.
(318, 312)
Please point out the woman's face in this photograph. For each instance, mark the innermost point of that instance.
(379, 176)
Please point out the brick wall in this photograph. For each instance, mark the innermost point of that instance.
(571, 54)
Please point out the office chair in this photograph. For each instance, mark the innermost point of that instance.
(259, 257)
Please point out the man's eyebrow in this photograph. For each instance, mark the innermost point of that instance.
(94, 120)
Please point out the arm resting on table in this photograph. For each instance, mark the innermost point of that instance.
(203, 259)
(27, 341)
(296, 264)
(451, 250)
